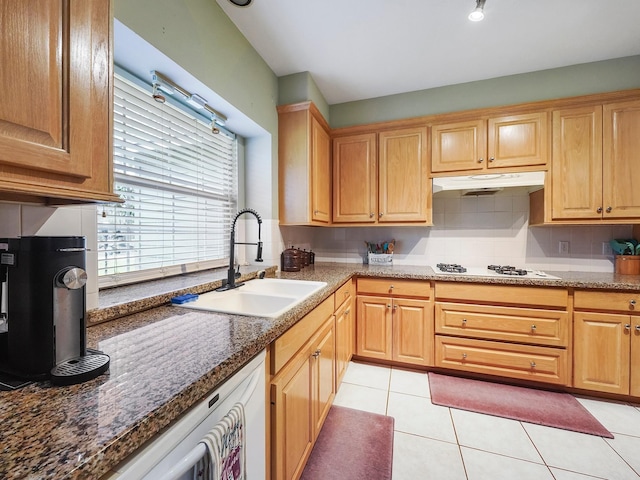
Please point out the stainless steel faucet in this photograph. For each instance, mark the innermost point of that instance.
(231, 273)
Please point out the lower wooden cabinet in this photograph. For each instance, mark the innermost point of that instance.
(397, 329)
(607, 352)
(301, 396)
(345, 332)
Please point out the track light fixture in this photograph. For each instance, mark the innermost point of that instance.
(162, 85)
(478, 13)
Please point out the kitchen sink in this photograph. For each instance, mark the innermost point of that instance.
(267, 297)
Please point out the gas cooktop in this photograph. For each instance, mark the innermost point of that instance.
(490, 271)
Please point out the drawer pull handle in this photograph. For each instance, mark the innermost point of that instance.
(316, 354)
(464, 356)
(632, 302)
(464, 322)
(627, 326)
(533, 364)
(533, 328)
(346, 312)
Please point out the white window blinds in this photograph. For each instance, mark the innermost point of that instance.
(179, 183)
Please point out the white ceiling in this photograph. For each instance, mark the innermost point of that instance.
(358, 49)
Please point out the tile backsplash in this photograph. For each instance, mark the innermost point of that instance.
(474, 231)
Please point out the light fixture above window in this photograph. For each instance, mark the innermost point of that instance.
(163, 84)
(478, 12)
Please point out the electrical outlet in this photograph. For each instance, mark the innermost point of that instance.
(606, 249)
(563, 247)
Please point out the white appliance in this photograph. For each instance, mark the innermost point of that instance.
(452, 270)
(488, 184)
(174, 453)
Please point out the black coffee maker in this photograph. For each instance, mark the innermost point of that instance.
(43, 334)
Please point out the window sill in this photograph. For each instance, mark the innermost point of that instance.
(129, 299)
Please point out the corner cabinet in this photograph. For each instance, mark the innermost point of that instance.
(391, 325)
(482, 145)
(382, 178)
(304, 165)
(55, 114)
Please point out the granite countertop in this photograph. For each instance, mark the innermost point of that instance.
(164, 360)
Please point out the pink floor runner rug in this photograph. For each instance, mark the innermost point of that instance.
(552, 409)
(353, 445)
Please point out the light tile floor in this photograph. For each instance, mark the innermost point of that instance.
(440, 443)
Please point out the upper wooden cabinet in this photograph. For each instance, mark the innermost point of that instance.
(595, 150)
(304, 164)
(55, 113)
(475, 145)
(382, 178)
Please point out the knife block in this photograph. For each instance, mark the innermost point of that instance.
(627, 264)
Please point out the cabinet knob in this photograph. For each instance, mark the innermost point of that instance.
(347, 311)
(315, 212)
(637, 328)
(599, 210)
(492, 159)
(480, 160)
(388, 305)
(533, 328)
(627, 326)
(371, 215)
(632, 303)
(380, 214)
(609, 209)
(464, 356)
(316, 354)
(533, 364)
(464, 322)
(390, 287)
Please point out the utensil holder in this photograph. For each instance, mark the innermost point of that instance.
(380, 258)
(628, 264)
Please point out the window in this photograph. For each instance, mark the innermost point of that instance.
(179, 183)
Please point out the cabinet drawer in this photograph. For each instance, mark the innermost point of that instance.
(627, 302)
(503, 294)
(344, 293)
(541, 364)
(294, 339)
(394, 286)
(540, 327)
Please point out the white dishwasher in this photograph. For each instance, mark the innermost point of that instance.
(175, 452)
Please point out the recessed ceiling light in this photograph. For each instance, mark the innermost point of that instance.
(241, 3)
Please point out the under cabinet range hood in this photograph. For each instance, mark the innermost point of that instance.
(488, 184)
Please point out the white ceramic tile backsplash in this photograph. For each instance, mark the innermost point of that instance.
(473, 231)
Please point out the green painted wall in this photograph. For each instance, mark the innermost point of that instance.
(583, 79)
(300, 87)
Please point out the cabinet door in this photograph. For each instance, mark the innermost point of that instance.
(324, 378)
(601, 352)
(355, 179)
(55, 110)
(634, 386)
(621, 175)
(344, 339)
(412, 331)
(320, 173)
(373, 327)
(518, 140)
(292, 417)
(576, 164)
(458, 146)
(404, 194)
